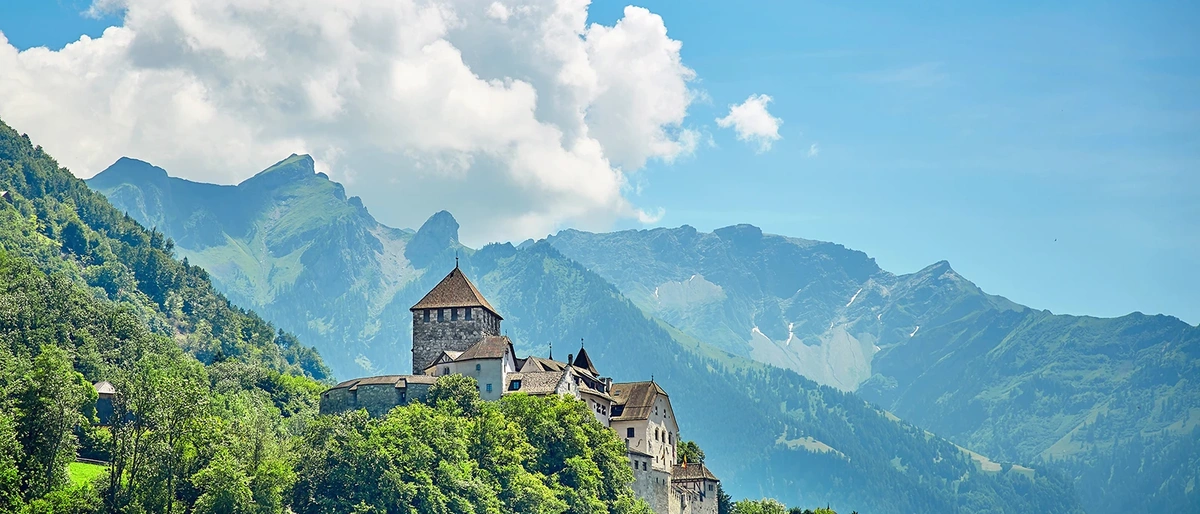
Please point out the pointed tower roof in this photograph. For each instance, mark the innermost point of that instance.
(583, 361)
(454, 291)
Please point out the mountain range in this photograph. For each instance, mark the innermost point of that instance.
(729, 321)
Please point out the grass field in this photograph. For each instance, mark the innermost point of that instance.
(82, 472)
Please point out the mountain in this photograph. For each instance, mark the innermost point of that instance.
(1087, 395)
(768, 431)
(290, 243)
(89, 295)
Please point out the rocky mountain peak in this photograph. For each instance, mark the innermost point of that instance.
(435, 237)
(294, 168)
(128, 169)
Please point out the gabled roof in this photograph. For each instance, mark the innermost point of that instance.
(583, 361)
(456, 290)
(539, 364)
(636, 399)
(692, 471)
(490, 347)
(535, 383)
(104, 387)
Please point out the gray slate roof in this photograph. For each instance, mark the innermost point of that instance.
(536, 382)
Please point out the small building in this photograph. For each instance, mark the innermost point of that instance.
(694, 489)
(378, 395)
(104, 402)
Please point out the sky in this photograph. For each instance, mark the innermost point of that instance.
(1049, 151)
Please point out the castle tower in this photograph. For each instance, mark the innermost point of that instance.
(452, 316)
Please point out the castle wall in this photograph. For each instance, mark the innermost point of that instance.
(454, 332)
(377, 399)
(651, 484)
(694, 497)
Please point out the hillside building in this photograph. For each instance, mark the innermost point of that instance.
(456, 331)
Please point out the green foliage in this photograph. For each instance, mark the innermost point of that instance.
(224, 486)
(50, 402)
(764, 506)
(521, 455)
(72, 233)
(689, 451)
(456, 393)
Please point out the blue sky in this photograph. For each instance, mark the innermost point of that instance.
(1050, 153)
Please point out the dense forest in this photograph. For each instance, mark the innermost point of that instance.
(216, 409)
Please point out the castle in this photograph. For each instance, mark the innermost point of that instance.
(456, 331)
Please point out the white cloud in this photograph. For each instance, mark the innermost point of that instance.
(752, 123)
(518, 117)
(814, 150)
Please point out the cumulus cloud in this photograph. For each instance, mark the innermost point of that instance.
(814, 150)
(517, 116)
(752, 123)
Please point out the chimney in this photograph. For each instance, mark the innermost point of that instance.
(570, 358)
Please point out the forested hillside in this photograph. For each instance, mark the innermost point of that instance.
(215, 409)
(792, 439)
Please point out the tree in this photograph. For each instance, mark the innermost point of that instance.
(689, 451)
(459, 391)
(763, 506)
(51, 404)
(724, 501)
(226, 488)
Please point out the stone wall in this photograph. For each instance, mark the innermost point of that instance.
(454, 332)
(693, 497)
(377, 399)
(651, 484)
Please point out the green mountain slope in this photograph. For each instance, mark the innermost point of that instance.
(1087, 395)
(768, 431)
(288, 242)
(53, 220)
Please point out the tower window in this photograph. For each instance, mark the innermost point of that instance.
(426, 313)
(453, 314)
(489, 388)
(629, 432)
(441, 315)
(446, 370)
(476, 367)
(468, 313)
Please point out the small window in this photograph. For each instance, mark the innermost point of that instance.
(441, 315)
(446, 370)
(643, 465)
(489, 388)
(453, 314)
(426, 315)
(514, 385)
(476, 367)
(629, 432)
(467, 313)
(710, 487)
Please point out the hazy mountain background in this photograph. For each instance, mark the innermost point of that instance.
(1110, 403)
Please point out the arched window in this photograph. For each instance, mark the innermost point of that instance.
(476, 367)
